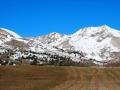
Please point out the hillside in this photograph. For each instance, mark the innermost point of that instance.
(88, 46)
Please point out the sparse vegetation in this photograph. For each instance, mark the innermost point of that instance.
(58, 78)
(31, 77)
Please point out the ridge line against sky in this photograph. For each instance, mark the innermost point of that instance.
(38, 17)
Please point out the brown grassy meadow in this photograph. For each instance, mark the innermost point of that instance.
(58, 78)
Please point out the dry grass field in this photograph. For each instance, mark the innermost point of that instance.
(58, 78)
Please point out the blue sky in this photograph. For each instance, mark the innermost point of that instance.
(39, 17)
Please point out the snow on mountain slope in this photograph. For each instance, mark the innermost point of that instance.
(5, 36)
(50, 38)
(99, 43)
(8, 35)
(95, 41)
(11, 33)
(43, 42)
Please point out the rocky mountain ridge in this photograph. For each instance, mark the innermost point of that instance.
(88, 46)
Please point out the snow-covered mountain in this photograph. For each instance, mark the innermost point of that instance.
(96, 42)
(7, 35)
(11, 33)
(99, 44)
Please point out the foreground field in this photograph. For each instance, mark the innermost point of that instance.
(59, 78)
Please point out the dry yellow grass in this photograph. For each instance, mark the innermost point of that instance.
(92, 79)
(59, 78)
(30, 77)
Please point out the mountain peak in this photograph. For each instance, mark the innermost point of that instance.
(105, 27)
(55, 35)
(93, 30)
(7, 31)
